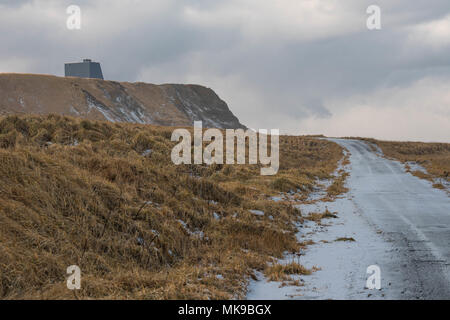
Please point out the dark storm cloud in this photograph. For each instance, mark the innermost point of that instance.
(273, 62)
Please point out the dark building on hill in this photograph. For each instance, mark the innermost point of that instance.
(85, 69)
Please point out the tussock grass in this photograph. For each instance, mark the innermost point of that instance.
(106, 197)
(344, 239)
(439, 186)
(338, 186)
(282, 272)
(317, 217)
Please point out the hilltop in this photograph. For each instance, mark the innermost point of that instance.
(94, 99)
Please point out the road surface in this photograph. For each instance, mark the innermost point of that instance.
(399, 223)
(413, 214)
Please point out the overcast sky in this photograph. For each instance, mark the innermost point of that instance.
(303, 66)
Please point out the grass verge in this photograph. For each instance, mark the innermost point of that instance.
(106, 197)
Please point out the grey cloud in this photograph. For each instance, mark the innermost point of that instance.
(294, 78)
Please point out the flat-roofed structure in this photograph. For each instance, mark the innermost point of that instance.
(85, 69)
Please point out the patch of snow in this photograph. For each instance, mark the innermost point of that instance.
(74, 111)
(261, 289)
(147, 152)
(107, 114)
(198, 233)
(277, 199)
(343, 264)
(414, 166)
(133, 116)
(21, 102)
(257, 212)
(184, 224)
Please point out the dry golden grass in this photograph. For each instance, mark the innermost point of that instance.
(317, 217)
(338, 185)
(82, 192)
(344, 239)
(282, 272)
(435, 157)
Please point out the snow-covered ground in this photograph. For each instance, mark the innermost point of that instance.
(399, 223)
(343, 263)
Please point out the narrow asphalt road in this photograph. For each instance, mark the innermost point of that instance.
(398, 222)
(411, 214)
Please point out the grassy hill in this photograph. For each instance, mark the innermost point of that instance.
(106, 197)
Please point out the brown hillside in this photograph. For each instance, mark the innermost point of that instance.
(168, 104)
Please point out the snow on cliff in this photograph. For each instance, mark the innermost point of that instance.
(168, 104)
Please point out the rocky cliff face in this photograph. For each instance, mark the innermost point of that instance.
(168, 104)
